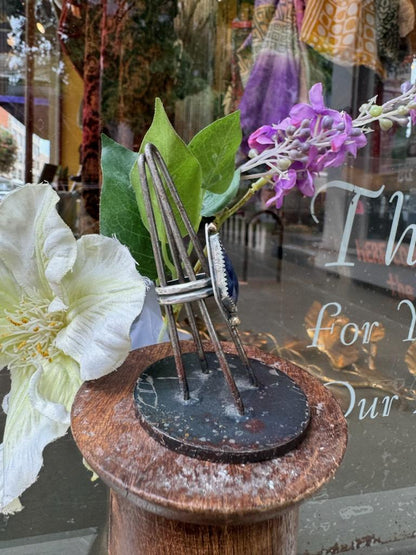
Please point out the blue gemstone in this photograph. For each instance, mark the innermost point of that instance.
(231, 277)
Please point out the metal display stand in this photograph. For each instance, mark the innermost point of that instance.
(208, 448)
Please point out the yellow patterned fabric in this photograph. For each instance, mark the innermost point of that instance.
(406, 17)
(263, 15)
(344, 31)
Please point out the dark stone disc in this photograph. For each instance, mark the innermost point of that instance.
(208, 426)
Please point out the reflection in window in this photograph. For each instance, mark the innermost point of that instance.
(72, 70)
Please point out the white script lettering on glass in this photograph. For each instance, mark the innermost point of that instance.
(349, 333)
(410, 305)
(393, 244)
(374, 408)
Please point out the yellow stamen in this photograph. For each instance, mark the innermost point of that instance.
(30, 332)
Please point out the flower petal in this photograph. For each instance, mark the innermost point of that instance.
(36, 245)
(148, 328)
(27, 430)
(10, 291)
(282, 186)
(305, 183)
(405, 87)
(262, 138)
(104, 293)
(15, 506)
(300, 112)
(337, 141)
(316, 97)
(53, 411)
(9, 298)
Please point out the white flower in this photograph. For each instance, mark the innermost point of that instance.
(66, 308)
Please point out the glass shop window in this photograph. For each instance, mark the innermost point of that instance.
(326, 281)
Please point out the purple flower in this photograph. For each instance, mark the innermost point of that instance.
(315, 111)
(321, 124)
(282, 186)
(262, 139)
(350, 140)
(301, 178)
(405, 87)
(305, 182)
(312, 138)
(344, 142)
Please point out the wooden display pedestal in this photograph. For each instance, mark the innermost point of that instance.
(163, 502)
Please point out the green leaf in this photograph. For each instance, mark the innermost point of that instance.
(119, 214)
(214, 203)
(183, 167)
(216, 147)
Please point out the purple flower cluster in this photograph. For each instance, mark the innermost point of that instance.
(297, 149)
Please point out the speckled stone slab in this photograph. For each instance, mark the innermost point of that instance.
(208, 425)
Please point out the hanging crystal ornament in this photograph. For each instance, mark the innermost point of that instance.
(262, 412)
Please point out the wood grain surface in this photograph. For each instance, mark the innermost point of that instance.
(173, 486)
(135, 531)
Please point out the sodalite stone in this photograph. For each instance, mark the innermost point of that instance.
(231, 276)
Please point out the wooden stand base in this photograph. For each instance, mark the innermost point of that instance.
(165, 502)
(133, 530)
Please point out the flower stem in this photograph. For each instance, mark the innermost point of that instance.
(228, 212)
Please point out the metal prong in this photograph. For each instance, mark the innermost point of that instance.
(187, 287)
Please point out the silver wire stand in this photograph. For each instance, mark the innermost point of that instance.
(189, 288)
(201, 423)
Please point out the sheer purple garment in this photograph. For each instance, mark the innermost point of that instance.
(273, 85)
